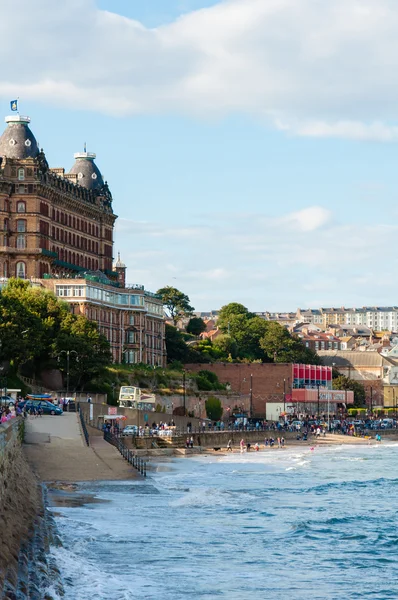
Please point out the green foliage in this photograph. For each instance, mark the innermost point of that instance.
(175, 302)
(251, 338)
(196, 326)
(344, 383)
(214, 408)
(279, 345)
(229, 312)
(36, 327)
(352, 412)
(204, 385)
(227, 345)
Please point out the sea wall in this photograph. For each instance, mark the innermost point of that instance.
(21, 519)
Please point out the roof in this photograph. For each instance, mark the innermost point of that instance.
(353, 358)
(88, 174)
(17, 140)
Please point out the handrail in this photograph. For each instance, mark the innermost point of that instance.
(83, 424)
(136, 461)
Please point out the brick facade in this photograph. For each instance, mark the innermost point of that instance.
(269, 380)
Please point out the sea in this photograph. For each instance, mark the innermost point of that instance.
(293, 523)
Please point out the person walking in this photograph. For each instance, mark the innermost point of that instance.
(229, 446)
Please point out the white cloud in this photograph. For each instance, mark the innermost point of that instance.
(267, 264)
(308, 219)
(312, 68)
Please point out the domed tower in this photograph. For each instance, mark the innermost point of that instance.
(87, 173)
(120, 268)
(17, 141)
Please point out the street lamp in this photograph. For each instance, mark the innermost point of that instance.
(284, 395)
(183, 387)
(68, 353)
(251, 397)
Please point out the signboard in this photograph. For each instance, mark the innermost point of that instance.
(112, 410)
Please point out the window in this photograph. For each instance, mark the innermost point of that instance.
(21, 207)
(21, 226)
(21, 189)
(130, 337)
(20, 270)
(21, 174)
(21, 241)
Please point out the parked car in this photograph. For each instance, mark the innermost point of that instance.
(48, 408)
(130, 430)
(6, 400)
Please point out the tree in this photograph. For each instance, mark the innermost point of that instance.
(341, 382)
(35, 327)
(280, 346)
(214, 408)
(229, 312)
(176, 348)
(227, 345)
(176, 303)
(196, 326)
(92, 349)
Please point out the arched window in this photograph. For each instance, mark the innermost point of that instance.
(20, 270)
(21, 174)
(21, 207)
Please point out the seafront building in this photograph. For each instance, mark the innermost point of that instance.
(57, 231)
(269, 390)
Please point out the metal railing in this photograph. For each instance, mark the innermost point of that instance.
(136, 461)
(83, 424)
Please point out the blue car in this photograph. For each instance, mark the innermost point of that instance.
(43, 406)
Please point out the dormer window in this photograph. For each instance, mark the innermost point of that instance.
(21, 174)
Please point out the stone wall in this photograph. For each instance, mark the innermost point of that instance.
(20, 505)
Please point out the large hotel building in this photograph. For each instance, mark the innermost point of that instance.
(57, 231)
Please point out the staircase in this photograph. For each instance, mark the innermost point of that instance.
(141, 443)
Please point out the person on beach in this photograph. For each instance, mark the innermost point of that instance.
(242, 445)
(266, 442)
(191, 442)
(318, 432)
(248, 446)
(282, 442)
(187, 442)
(279, 442)
(229, 446)
(256, 447)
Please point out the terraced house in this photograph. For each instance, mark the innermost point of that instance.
(56, 229)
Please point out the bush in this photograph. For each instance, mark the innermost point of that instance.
(209, 375)
(213, 408)
(204, 385)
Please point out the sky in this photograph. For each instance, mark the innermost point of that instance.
(250, 145)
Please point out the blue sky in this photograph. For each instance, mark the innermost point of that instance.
(250, 146)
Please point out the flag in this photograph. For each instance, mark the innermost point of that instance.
(14, 105)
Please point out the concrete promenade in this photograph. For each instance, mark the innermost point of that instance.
(56, 450)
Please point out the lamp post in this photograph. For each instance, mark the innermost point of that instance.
(68, 353)
(371, 401)
(318, 399)
(251, 397)
(184, 392)
(284, 395)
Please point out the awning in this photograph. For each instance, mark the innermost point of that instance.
(112, 417)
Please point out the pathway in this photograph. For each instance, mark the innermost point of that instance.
(55, 448)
